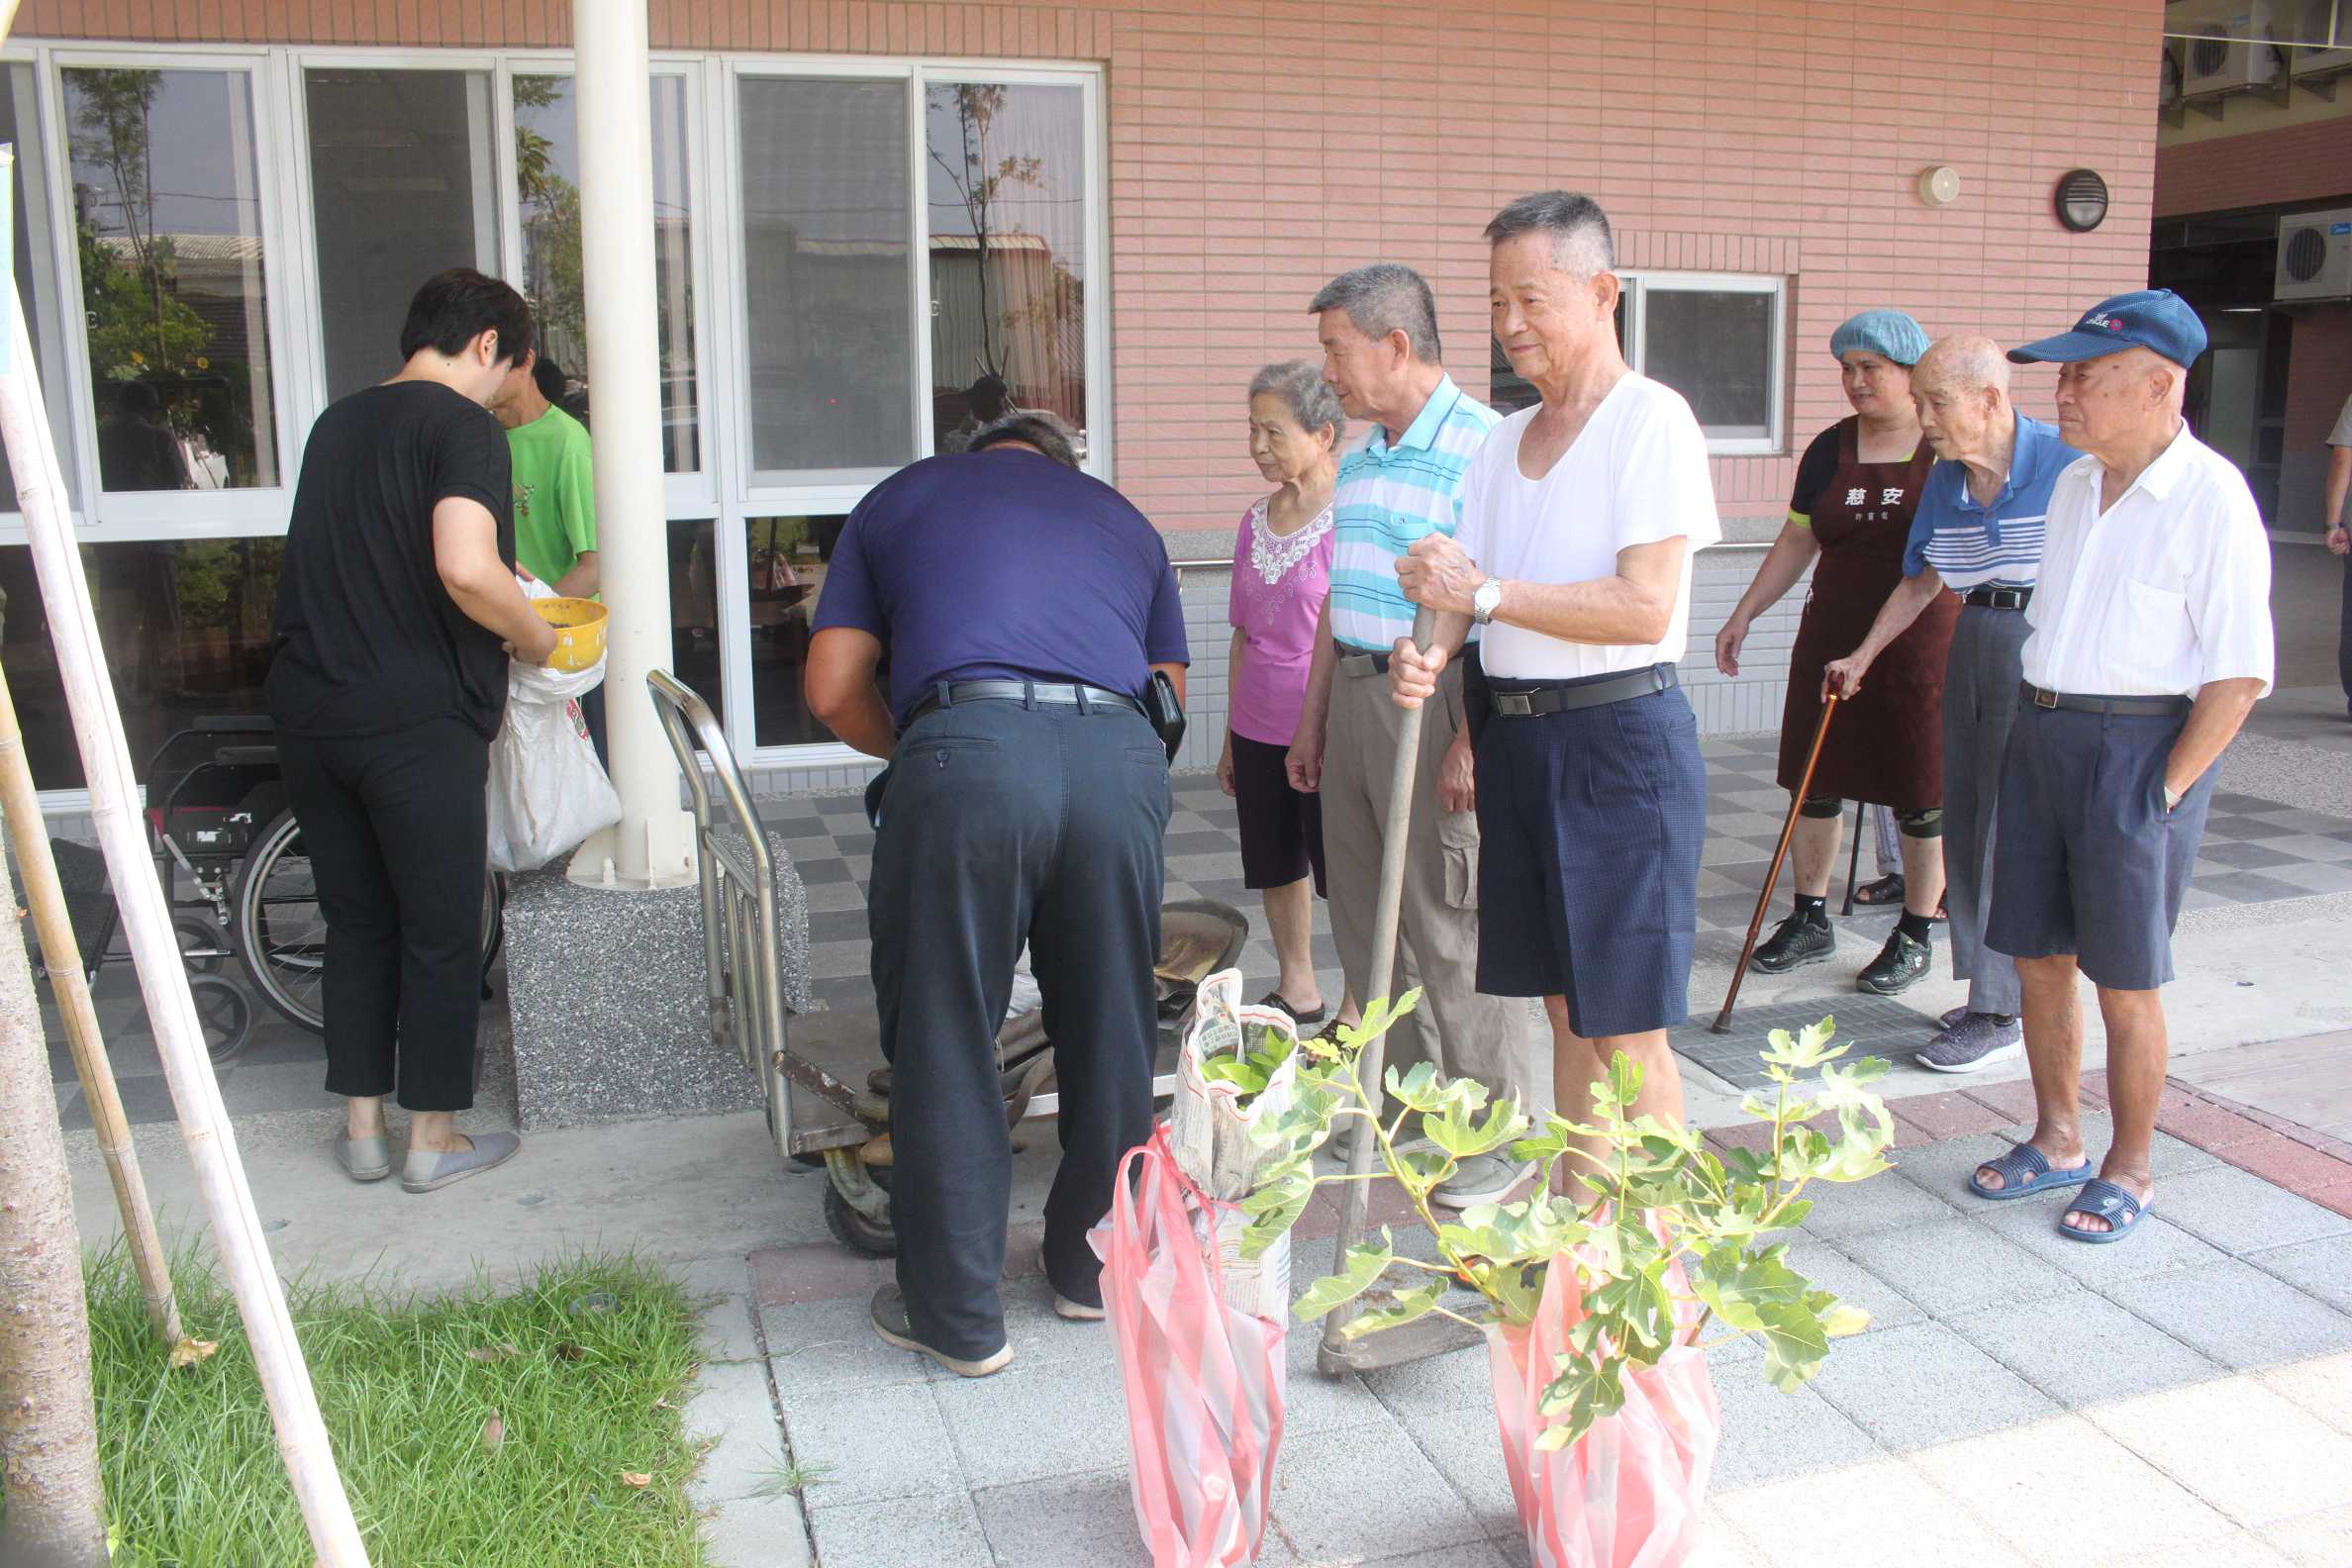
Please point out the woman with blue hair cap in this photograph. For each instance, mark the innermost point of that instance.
(1856, 489)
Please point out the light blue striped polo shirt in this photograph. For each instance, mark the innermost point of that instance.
(1999, 545)
(1387, 498)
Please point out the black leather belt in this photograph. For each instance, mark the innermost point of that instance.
(1357, 665)
(1534, 701)
(1038, 694)
(1999, 598)
(2126, 707)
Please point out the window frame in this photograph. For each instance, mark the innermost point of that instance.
(1639, 281)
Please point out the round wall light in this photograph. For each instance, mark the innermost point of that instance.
(2081, 200)
(1940, 185)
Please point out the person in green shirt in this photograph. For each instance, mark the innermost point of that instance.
(554, 500)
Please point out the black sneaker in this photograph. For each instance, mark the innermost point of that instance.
(1903, 963)
(1795, 942)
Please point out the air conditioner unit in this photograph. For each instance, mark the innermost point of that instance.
(2315, 256)
(2216, 66)
(2313, 24)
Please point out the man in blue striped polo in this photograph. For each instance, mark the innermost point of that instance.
(1378, 326)
(1978, 532)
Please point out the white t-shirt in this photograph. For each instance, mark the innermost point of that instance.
(1635, 474)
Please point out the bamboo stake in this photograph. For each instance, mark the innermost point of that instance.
(162, 981)
(62, 957)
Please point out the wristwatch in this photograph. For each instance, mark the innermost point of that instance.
(1486, 600)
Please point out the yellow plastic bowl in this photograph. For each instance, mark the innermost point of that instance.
(579, 631)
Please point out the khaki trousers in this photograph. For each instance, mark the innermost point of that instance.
(1456, 1029)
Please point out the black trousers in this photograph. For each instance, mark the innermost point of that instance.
(2344, 638)
(397, 833)
(1001, 825)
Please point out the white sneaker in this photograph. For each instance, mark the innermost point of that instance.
(1482, 1178)
(1076, 1311)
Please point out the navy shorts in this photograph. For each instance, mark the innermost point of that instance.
(2087, 860)
(1590, 826)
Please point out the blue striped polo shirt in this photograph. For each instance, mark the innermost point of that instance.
(1999, 545)
(1387, 498)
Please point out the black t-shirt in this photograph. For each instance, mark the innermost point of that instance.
(369, 640)
(1815, 470)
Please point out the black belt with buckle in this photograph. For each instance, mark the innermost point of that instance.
(1034, 694)
(1998, 598)
(1551, 697)
(2123, 707)
(1357, 665)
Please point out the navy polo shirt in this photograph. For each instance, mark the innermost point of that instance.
(1004, 566)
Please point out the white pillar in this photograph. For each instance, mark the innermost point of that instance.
(654, 845)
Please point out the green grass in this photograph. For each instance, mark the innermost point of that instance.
(194, 1479)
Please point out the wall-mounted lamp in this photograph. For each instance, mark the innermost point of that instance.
(2080, 200)
(1940, 185)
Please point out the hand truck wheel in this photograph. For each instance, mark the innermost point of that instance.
(850, 1222)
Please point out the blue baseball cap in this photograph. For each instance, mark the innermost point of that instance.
(2156, 318)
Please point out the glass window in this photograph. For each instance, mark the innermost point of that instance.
(548, 189)
(827, 215)
(1715, 346)
(786, 559)
(1005, 168)
(186, 626)
(402, 187)
(694, 610)
(36, 277)
(167, 221)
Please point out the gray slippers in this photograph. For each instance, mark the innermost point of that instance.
(426, 1170)
(362, 1159)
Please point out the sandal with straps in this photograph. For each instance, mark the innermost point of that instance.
(2023, 1171)
(2101, 1199)
(1306, 1020)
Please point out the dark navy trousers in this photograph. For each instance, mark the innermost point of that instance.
(1004, 824)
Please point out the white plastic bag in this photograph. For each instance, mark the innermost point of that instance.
(548, 792)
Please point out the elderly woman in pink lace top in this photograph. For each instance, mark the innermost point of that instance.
(1282, 563)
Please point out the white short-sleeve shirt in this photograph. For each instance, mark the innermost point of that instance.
(1635, 474)
(2162, 592)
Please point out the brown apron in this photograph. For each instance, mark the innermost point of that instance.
(1886, 745)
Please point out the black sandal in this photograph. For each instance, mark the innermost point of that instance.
(1304, 1021)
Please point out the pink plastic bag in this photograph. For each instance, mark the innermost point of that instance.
(1204, 1381)
(1627, 1495)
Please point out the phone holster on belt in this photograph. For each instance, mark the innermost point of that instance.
(1165, 710)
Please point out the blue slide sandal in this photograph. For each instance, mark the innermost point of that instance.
(2103, 1199)
(2024, 1171)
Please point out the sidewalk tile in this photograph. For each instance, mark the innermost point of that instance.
(1072, 1521)
(2296, 1166)
(1957, 1264)
(829, 1347)
(908, 1533)
(730, 1403)
(1315, 1403)
(875, 1444)
(1452, 1382)
(1912, 1386)
(2236, 1315)
(757, 1532)
(2157, 1246)
(2082, 1350)
(2241, 1213)
(1467, 1554)
(2324, 1268)
(1466, 1446)
(728, 1331)
(1883, 1513)
(1719, 1546)
(2208, 1126)
(1028, 1423)
(2237, 1549)
(2250, 1453)
(2063, 1491)
(814, 1271)
(2013, 1097)
(1365, 1494)
(2167, 1155)
(2322, 1385)
(1949, 1114)
(1831, 1270)
(1846, 1210)
(1771, 1436)
(1943, 1169)
(2317, 1541)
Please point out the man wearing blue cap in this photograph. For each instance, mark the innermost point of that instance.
(2149, 643)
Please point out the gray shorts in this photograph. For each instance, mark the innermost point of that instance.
(2087, 860)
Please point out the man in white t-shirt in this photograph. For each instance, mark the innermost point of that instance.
(1579, 519)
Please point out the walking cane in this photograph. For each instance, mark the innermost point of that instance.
(1747, 949)
(1853, 862)
(1431, 1334)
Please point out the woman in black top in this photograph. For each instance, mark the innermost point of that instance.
(397, 610)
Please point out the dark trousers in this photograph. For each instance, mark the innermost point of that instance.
(2345, 638)
(397, 833)
(592, 714)
(1002, 825)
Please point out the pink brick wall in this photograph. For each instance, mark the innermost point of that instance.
(1259, 146)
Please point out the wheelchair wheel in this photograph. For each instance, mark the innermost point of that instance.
(281, 932)
(224, 1014)
(202, 947)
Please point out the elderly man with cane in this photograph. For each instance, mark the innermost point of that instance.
(1580, 520)
(2149, 643)
(1378, 326)
(1978, 532)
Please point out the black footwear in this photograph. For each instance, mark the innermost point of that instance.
(1885, 891)
(1795, 942)
(1901, 964)
(1308, 1022)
